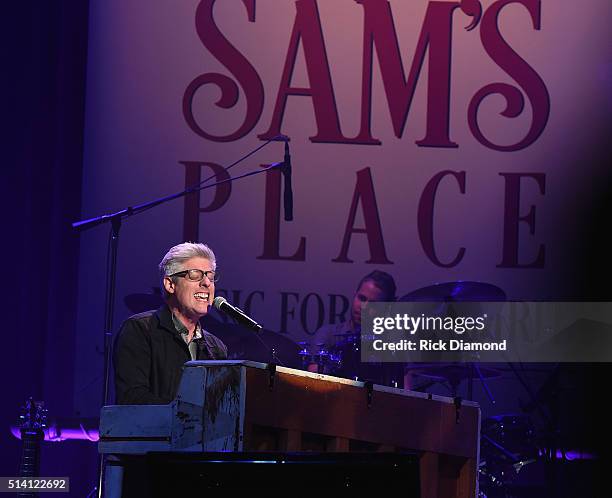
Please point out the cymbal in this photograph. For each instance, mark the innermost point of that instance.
(244, 344)
(462, 290)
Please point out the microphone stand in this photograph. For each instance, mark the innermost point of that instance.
(115, 219)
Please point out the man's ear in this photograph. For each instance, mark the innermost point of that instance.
(169, 285)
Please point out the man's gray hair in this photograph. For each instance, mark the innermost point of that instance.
(175, 258)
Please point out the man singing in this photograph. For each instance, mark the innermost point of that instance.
(152, 347)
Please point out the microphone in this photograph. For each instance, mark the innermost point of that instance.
(236, 313)
(288, 197)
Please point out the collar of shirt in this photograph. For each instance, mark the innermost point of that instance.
(181, 329)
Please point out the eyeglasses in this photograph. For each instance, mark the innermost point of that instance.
(197, 275)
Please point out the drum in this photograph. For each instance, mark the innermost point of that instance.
(347, 352)
(317, 358)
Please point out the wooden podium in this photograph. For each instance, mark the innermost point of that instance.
(243, 406)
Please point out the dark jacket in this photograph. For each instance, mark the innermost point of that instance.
(149, 355)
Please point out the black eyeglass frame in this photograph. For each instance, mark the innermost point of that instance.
(187, 274)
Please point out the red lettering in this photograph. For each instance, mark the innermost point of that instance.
(425, 217)
(237, 64)
(334, 315)
(192, 209)
(364, 190)
(306, 312)
(271, 249)
(507, 59)
(435, 36)
(307, 28)
(285, 311)
(512, 219)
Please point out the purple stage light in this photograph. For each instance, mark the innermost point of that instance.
(85, 429)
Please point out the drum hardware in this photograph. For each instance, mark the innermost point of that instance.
(318, 355)
(508, 444)
(507, 441)
(347, 351)
(461, 292)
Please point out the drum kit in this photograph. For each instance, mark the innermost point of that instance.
(343, 359)
(507, 441)
(318, 358)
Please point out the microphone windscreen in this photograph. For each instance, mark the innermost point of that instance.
(218, 301)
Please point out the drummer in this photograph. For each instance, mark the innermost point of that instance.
(375, 286)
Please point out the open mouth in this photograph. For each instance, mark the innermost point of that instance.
(201, 296)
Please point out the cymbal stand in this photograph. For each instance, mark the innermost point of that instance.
(473, 367)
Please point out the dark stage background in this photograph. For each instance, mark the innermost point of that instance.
(44, 47)
(44, 66)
